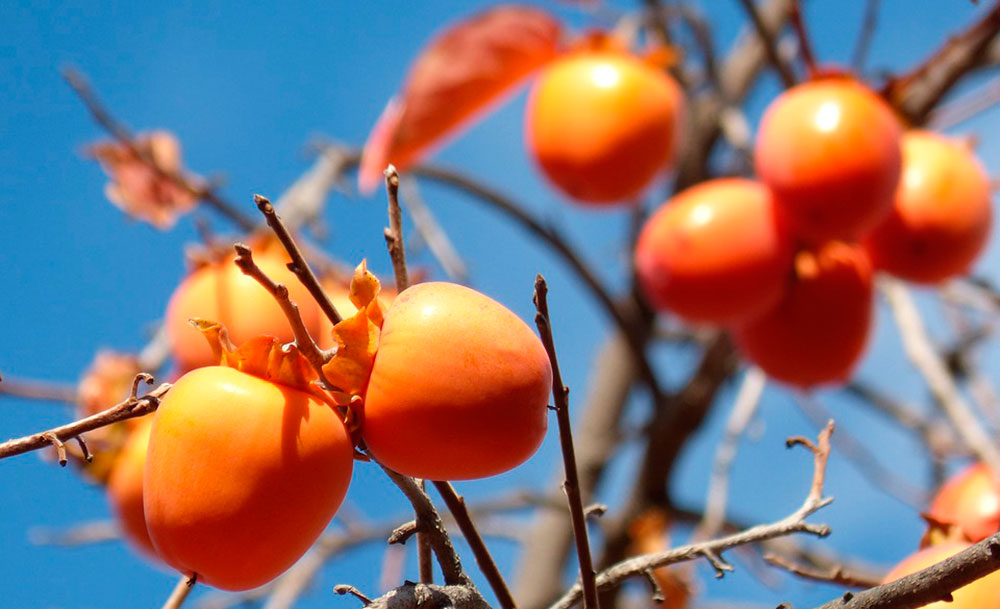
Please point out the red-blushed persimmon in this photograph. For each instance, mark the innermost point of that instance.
(969, 501)
(818, 331)
(242, 473)
(125, 488)
(715, 253)
(941, 217)
(221, 292)
(829, 150)
(983, 593)
(602, 124)
(459, 388)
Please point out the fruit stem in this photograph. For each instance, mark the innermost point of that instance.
(181, 592)
(560, 394)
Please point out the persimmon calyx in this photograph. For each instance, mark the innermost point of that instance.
(356, 338)
(265, 357)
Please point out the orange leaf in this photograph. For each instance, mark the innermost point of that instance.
(262, 356)
(650, 533)
(357, 336)
(136, 187)
(462, 71)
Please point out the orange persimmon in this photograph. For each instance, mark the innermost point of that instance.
(125, 488)
(941, 217)
(602, 124)
(829, 151)
(221, 292)
(818, 331)
(459, 388)
(970, 500)
(244, 471)
(715, 253)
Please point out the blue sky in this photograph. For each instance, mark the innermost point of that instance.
(245, 89)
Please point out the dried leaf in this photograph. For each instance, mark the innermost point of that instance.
(463, 70)
(137, 188)
(262, 356)
(650, 533)
(356, 337)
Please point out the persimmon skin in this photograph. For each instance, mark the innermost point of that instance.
(830, 152)
(818, 331)
(221, 292)
(125, 488)
(941, 217)
(715, 253)
(983, 593)
(602, 124)
(459, 388)
(242, 476)
(969, 500)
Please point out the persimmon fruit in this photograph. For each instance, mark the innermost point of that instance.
(983, 593)
(829, 150)
(221, 292)
(818, 331)
(459, 388)
(970, 500)
(242, 475)
(716, 253)
(601, 124)
(940, 220)
(125, 488)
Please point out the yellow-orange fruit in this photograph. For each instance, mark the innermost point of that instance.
(601, 124)
(983, 593)
(818, 331)
(221, 292)
(829, 151)
(941, 217)
(125, 488)
(242, 476)
(715, 253)
(970, 501)
(459, 388)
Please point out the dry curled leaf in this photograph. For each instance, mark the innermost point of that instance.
(139, 189)
(356, 337)
(469, 65)
(650, 533)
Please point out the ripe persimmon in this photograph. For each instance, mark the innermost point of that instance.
(818, 330)
(221, 292)
(829, 150)
(602, 123)
(983, 593)
(970, 501)
(459, 387)
(244, 470)
(941, 217)
(715, 253)
(125, 488)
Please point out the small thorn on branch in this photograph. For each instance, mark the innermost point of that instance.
(717, 562)
(403, 532)
(343, 589)
(87, 456)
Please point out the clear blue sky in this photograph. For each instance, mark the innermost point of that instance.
(245, 89)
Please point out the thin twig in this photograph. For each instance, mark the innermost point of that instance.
(560, 395)
(121, 133)
(38, 390)
(128, 409)
(927, 361)
(865, 36)
(303, 340)
(969, 105)
(429, 228)
(181, 592)
(769, 40)
(805, 46)
(836, 575)
(744, 408)
(343, 589)
(793, 523)
(299, 266)
(99, 531)
(394, 234)
(424, 566)
(484, 560)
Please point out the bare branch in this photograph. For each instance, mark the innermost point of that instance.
(394, 234)
(121, 133)
(424, 596)
(769, 39)
(560, 395)
(99, 531)
(38, 390)
(431, 232)
(343, 589)
(836, 575)
(299, 266)
(128, 409)
(865, 36)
